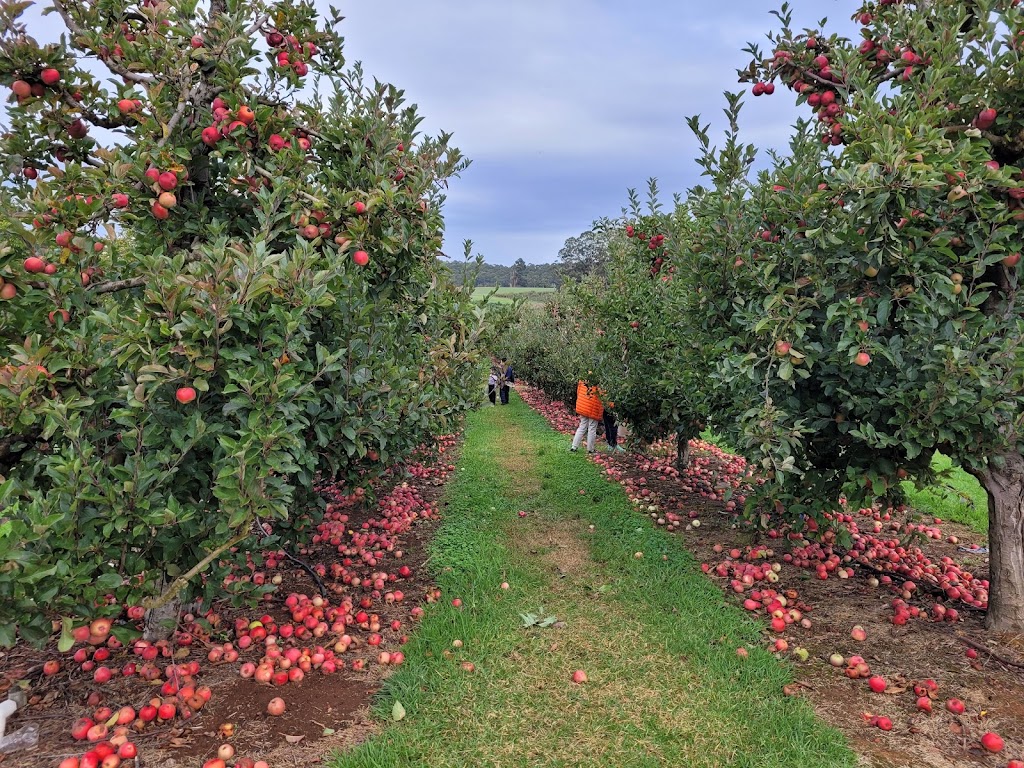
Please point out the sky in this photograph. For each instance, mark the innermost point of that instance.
(563, 105)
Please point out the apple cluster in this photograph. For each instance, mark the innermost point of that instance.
(291, 52)
(655, 244)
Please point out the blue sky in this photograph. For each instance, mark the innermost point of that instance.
(562, 105)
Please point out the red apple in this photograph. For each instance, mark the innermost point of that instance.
(167, 181)
(185, 395)
(361, 258)
(992, 742)
(49, 76)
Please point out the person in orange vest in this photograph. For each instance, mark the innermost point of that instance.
(590, 410)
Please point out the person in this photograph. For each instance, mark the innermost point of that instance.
(492, 384)
(590, 411)
(611, 429)
(507, 378)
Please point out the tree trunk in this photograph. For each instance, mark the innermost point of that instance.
(1005, 487)
(162, 621)
(682, 451)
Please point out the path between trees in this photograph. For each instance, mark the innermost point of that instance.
(655, 639)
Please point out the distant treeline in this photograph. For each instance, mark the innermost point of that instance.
(519, 275)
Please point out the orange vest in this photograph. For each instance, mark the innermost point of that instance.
(587, 401)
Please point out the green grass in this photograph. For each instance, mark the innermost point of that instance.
(961, 498)
(505, 295)
(656, 638)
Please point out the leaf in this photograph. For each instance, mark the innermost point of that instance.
(293, 739)
(329, 731)
(397, 711)
(66, 640)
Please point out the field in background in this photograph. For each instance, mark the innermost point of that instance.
(505, 295)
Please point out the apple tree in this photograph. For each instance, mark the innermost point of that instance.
(218, 283)
(864, 289)
(651, 358)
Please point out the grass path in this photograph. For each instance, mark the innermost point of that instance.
(654, 636)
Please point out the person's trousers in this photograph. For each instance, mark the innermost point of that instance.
(491, 392)
(611, 429)
(504, 395)
(588, 426)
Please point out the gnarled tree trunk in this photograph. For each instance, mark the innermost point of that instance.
(1005, 487)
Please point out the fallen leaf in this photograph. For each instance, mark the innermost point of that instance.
(328, 731)
(397, 711)
(293, 739)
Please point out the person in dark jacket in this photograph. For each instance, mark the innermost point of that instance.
(507, 379)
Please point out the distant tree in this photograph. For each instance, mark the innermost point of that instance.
(518, 273)
(586, 254)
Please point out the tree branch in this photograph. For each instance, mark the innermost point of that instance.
(255, 26)
(179, 583)
(88, 114)
(135, 77)
(112, 286)
(176, 117)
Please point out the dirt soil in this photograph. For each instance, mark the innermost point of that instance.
(921, 649)
(325, 713)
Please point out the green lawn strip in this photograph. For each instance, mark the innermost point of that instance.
(655, 637)
(961, 498)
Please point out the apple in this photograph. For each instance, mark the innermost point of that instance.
(246, 115)
(8, 291)
(167, 180)
(34, 264)
(119, 200)
(49, 76)
(877, 684)
(126, 106)
(782, 348)
(986, 119)
(185, 395)
(1012, 260)
(992, 742)
(158, 211)
(21, 89)
(361, 258)
(78, 129)
(858, 633)
(276, 706)
(862, 359)
(359, 207)
(955, 706)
